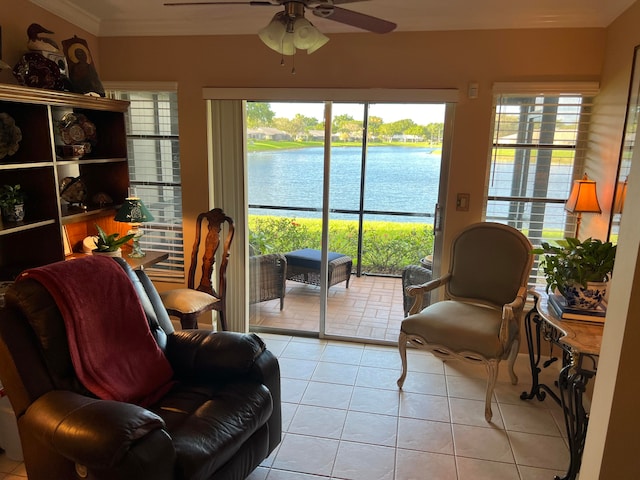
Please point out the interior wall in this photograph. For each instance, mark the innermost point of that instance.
(450, 59)
(615, 418)
(397, 60)
(14, 23)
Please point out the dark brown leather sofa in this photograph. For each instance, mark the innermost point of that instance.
(219, 421)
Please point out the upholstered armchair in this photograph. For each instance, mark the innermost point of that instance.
(202, 405)
(485, 292)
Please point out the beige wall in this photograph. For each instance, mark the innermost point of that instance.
(399, 60)
(410, 60)
(17, 16)
(615, 417)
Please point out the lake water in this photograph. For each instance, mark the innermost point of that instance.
(398, 179)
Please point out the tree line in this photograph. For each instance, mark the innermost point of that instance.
(259, 114)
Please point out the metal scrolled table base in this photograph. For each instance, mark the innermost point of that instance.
(570, 386)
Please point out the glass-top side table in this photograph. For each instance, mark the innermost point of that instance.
(579, 342)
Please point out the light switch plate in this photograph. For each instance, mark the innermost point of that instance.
(462, 202)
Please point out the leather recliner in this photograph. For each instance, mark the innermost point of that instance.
(219, 421)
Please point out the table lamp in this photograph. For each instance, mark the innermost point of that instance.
(583, 199)
(620, 196)
(134, 212)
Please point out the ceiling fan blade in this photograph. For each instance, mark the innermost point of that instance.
(335, 2)
(355, 19)
(253, 3)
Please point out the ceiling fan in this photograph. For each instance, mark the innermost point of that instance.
(289, 30)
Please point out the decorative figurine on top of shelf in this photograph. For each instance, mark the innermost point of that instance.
(39, 43)
(82, 71)
(44, 66)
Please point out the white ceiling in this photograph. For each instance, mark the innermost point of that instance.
(150, 17)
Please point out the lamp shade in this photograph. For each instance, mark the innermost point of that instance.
(133, 211)
(621, 196)
(583, 197)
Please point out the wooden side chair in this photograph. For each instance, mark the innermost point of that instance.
(189, 303)
(485, 292)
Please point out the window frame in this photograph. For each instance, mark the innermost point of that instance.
(528, 202)
(165, 233)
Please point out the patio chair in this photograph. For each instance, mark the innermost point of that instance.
(267, 278)
(189, 303)
(414, 275)
(485, 293)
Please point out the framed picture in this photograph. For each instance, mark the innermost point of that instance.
(66, 242)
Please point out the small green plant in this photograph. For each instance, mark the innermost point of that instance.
(573, 261)
(110, 242)
(11, 195)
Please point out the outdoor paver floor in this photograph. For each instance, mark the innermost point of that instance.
(370, 309)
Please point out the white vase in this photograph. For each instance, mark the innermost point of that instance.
(115, 253)
(587, 298)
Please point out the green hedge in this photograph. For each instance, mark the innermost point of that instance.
(387, 246)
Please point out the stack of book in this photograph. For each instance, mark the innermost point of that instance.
(558, 305)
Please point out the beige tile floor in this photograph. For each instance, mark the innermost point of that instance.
(344, 418)
(11, 469)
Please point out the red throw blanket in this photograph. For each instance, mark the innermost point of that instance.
(112, 349)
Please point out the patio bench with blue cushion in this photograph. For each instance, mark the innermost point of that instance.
(304, 266)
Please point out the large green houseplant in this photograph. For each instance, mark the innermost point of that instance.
(578, 270)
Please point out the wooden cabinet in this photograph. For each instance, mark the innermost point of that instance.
(39, 167)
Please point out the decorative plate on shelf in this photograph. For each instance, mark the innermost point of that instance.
(10, 135)
(76, 128)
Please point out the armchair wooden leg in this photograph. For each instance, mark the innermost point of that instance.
(492, 370)
(513, 355)
(402, 347)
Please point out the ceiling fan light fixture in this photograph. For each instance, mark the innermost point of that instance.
(320, 41)
(306, 36)
(287, 47)
(289, 30)
(273, 34)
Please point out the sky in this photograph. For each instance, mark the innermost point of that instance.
(422, 114)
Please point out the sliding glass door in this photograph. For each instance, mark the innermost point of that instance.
(375, 172)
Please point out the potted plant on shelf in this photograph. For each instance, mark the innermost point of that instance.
(579, 271)
(12, 199)
(109, 244)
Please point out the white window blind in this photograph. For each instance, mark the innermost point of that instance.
(154, 174)
(538, 149)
